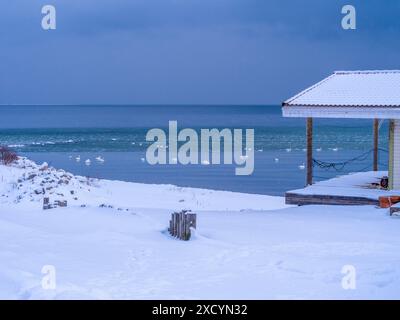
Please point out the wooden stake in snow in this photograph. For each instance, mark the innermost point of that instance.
(46, 204)
(181, 223)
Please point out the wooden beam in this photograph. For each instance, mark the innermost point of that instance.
(391, 152)
(376, 130)
(309, 130)
(306, 199)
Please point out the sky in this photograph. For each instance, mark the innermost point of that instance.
(186, 51)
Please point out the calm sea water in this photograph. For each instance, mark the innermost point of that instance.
(58, 134)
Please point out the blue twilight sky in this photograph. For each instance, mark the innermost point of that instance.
(186, 51)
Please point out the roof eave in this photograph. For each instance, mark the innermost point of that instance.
(284, 104)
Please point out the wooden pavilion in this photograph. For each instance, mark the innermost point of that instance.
(371, 95)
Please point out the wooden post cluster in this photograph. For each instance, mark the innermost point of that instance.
(181, 223)
(57, 203)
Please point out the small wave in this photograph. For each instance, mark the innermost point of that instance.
(16, 145)
(42, 143)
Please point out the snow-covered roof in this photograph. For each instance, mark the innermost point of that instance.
(374, 88)
(372, 94)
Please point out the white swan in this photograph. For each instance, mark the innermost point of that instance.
(100, 159)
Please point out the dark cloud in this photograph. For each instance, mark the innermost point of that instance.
(186, 51)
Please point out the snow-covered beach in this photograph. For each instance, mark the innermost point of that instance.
(111, 241)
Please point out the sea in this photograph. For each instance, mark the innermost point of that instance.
(61, 134)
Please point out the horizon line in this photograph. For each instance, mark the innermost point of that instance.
(141, 105)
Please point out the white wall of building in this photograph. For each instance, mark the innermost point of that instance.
(395, 155)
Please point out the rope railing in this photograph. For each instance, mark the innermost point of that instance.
(339, 166)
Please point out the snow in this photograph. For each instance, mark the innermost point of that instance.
(352, 185)
(26, 183)
(112, 243)
(370, 88)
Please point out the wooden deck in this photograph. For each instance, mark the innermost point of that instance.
(352, 189)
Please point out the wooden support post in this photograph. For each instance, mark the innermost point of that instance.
(175, 223)
(181, 225)
(376, 129)
(391, 153)
(179, 231)
(309, 151)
